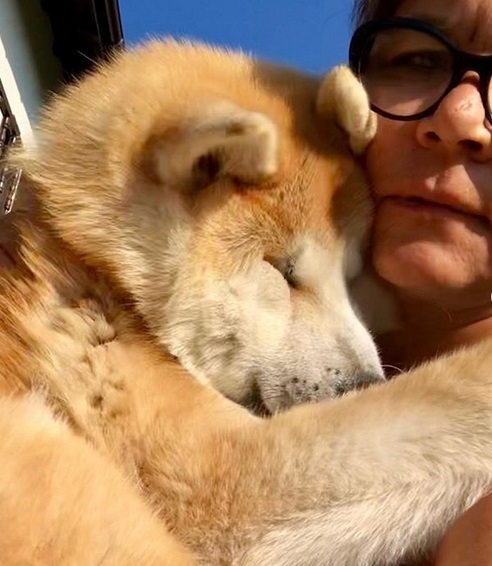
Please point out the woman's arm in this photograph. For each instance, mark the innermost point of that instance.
(469, 542)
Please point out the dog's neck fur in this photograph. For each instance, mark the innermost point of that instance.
(62, 311)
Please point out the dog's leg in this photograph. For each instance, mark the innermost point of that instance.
(402, 462)
(62, 503)
(368, 479)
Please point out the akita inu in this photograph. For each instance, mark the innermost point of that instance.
(197, 217)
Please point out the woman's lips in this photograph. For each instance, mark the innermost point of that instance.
(429, 209)
(416, 204)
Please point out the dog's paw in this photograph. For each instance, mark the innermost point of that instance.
(342, 96)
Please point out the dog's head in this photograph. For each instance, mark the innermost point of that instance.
(223, 195)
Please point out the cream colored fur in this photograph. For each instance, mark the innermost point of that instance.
(198, 215)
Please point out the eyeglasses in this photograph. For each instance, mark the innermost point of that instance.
(407, 67)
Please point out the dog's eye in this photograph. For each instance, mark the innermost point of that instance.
(286, 266)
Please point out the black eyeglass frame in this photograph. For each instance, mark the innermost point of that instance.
(463, 62)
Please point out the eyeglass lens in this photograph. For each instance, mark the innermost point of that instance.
(406, 71)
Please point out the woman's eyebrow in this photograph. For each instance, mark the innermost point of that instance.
(451, 29)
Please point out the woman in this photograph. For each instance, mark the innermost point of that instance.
(431, 169)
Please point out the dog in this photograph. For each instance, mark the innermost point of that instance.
(197, 217)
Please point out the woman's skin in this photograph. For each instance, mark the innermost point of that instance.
(469, 541)
(436, 258)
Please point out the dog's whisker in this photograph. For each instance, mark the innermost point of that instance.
(389, 366)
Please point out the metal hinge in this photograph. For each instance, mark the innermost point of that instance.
(9, 136)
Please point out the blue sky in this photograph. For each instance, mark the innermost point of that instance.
(310, 34)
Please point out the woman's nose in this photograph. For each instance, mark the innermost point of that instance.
(459, 124)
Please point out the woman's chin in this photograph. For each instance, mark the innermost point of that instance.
(429, 269)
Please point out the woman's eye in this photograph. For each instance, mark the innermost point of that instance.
(422, 60)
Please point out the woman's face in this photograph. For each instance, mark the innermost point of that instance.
(433, 179)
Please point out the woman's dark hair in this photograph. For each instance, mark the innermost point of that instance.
(365, 10)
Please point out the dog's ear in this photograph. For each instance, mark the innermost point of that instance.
(343, 97)
(220, 139)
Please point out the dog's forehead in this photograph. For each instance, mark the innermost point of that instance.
(275, 219)
(303, 198)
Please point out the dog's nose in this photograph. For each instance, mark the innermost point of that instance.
(359, 381)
